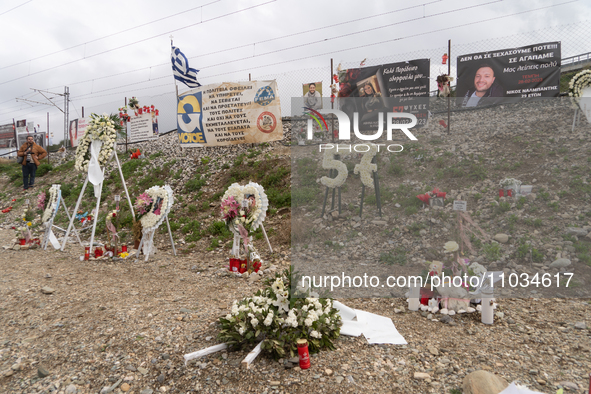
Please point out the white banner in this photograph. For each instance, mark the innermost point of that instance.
(143, 127)
(229, 113)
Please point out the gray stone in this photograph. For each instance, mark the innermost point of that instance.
(502, 238)
(433, 351)
(71, 389)
(579, 232)
(42, 372)
(161, 378)
(147, 391)
(569, 385)
(446, 319)
(421, 375)
(143, 371)
(482, 382)
(581, 325)
(185, 310)
(130, 368)
(560, 263)
(339, 379)
(47, 290)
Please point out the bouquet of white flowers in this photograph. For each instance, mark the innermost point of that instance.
(278, 319)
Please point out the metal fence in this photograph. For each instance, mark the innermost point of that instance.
(574, 38)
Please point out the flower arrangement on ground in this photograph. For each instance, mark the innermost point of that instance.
(84, 217)
(278, 319)
(51, 204)
(25, 231)
(429, 195)
(102, 128)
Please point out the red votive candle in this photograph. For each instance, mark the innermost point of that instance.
(303, 353)
(86, 252)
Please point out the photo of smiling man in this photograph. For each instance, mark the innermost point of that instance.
(485, 86)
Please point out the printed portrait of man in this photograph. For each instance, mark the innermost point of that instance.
(485, 86)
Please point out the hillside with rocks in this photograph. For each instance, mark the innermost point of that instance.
(123, 326)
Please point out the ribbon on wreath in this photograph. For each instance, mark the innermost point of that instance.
(244, 235)
(95, 174)
(113, 230)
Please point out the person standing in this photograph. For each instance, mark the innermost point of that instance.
(31, 153)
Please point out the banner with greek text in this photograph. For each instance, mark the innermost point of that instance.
(229, 113)
(143, 127)
(394, 87)
(487, 78)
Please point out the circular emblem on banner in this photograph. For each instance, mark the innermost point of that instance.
(264, 96)
(266, 122)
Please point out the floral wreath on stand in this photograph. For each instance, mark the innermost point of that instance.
(244, 208)
(52, 204)
(155, 204)
(102, 128)
(579, 82)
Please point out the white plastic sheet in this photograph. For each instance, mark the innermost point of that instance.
(375, 328)
(513, 389)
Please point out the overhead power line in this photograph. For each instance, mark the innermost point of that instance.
(259, 42)
(107, 36)
(334, 51)
(138, 41)
(14, 8)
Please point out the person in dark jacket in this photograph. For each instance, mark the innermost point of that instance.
(31, 153)
(485, 87)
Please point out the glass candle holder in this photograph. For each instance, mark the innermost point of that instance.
(117, 199)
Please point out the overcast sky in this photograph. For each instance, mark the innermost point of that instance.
(110, 50)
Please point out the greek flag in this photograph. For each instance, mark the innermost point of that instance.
(181, 70)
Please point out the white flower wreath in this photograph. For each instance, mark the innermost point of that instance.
(366, 167)
(52, 204)
(101, 128)
(579, 82)
(151, 221)
(328, 162)
(261, 203)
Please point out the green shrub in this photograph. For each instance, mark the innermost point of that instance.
(218, 228)
(43, 169)
(492, 251)
(195, 184)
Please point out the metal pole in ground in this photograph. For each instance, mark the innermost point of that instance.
(449, 97)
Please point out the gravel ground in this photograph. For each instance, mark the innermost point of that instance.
(99, 327)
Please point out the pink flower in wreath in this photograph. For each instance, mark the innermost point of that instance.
(229, 208)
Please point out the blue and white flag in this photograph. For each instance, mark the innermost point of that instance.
(181, 70)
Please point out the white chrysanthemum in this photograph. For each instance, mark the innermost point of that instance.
(308, 322)
(315, 334)
(254, 322)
